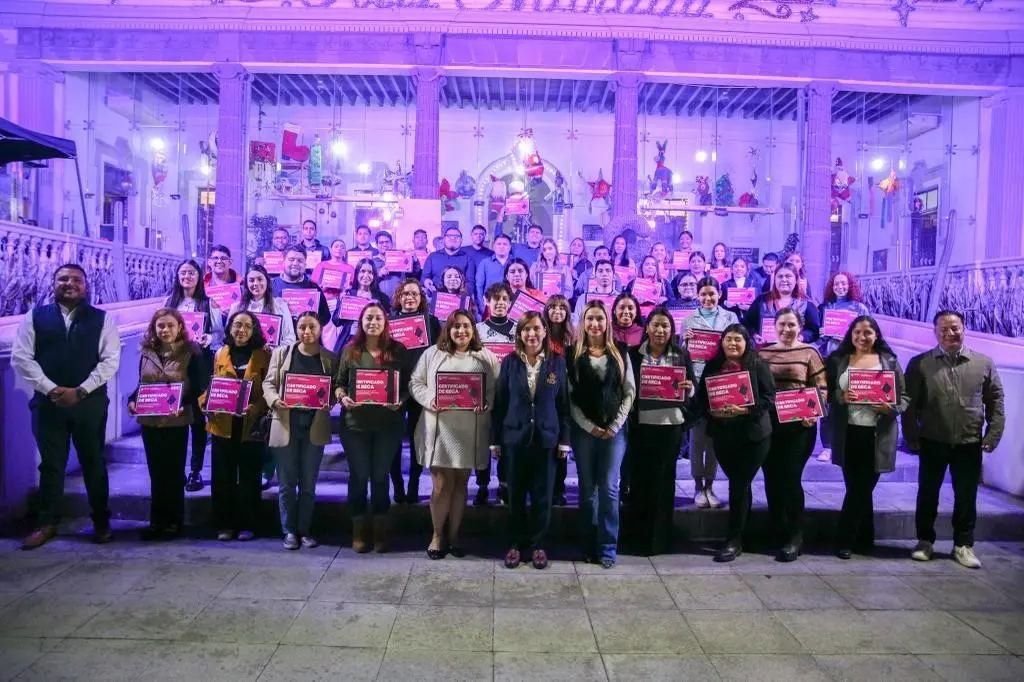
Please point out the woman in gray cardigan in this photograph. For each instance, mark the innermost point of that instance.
(864, 435)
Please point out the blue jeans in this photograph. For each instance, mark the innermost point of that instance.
(370, 455)
(298, 467)
(598, 462)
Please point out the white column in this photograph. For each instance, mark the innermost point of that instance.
(229, 219)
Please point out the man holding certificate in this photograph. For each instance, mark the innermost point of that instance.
(735, 395)
(371, 380)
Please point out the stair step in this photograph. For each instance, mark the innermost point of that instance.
(1000, 516)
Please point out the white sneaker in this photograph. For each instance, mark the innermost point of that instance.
(965, 557)
(701, 500)
(923, 551)
(713, 501)
(825, 455)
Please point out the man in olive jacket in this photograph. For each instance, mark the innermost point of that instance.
(955, 414)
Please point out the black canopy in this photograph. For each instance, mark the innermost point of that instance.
(21, 144)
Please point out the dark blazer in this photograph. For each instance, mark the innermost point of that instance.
(755, 426)
(518, 421)
(636, 362)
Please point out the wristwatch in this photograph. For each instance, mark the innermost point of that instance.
(81, 393)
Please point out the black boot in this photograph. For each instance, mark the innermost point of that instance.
(729, 551)
(413, 496)
(790, 550)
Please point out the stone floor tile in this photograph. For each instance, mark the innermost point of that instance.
(1006, 581)
(363, 583)
(446, 588)
(274, 583)
(343, 624)
(773, 668)
(840, 631)
(765, 564)
(734, 632)
(20, 574)
(49, 615)
(625, 592)
(208, 662)
(957, 668)
(453, 628)
(1006, 628)
(878, 592)
(795, 592)
(451, 566)
(245, 621)
(18, 653)
(830, 564)
(963, 592)
(876, 668)
(543, 631)
(536, 589)
(632, 631)
(144, 617)
(436, 665)
(711, 592)
(96, 578)
(658, 667)
(93, 659)
(931, 632)
(184, 580)
(292, 663)
(521, 666)
(685, 564)
(624, 563)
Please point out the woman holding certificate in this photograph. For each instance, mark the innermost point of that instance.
(783, 294)
(204, 326)
(663, 373)
(258, 297)
(298, 391)
(601, 390)
(735, 394)
(453, 282)
(454, 382)
(649, 286)
(517, 277)
(549, 273)
(409, 312)
(371, 377)
(867, 393)
(365, 286)
(235, 405)
(172, 375)
(531, 382)
(703, 333)
(626, 321)
(800, 386)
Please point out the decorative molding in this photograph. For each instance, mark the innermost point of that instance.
(428, 48)
(631, 54)
(903, 8)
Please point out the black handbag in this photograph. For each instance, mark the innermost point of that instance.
(260, 430)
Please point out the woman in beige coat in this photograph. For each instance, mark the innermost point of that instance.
(298, 435)
(452, 443)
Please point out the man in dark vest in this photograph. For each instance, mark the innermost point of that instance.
(67, 352)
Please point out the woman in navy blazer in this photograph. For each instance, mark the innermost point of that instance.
(530, 428)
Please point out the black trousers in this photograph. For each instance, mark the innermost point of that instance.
(964, 463)
(236, 483)
(791, 447)
(165, 457)
(655, 452)
(483, 476)
(55, 429)
(561, 472)
(413, 410)
(199, 437)
(857, 517)
(531, 473)
(740, 458)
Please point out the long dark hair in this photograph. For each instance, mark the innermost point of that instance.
(268, 295)
(354, 349)
(178, 291)
(562, 332)
(881, 346)
(527, 317)
(623, 260)
(664, 312)
(374, 285)
(517, 261)
(748, 360)
(256, 341)
(625, 295)
(444, 340)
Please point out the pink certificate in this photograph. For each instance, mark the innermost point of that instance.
(523, 303)
(662, 383)
(309, 391)
(350, 307)
(459, 390)
(353, 257)
(704, 344)
(551, 283)
(836, 322)
(313, 258)
(624, 274)
(742, 296)
(195, 325)
(158, 400)
(646, 290)
(225, 295)
(273, 262)
(797, 405)
(732, 388)
(271, 326)
(500, 349)
(410, 331)
(607, 299)
(873, 387)
(398, 261)
(444, 304)
(721, 274)
(301, 300)
(768, 333)
(228, 395)
(336, 276)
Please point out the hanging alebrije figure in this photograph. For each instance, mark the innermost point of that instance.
(723, 191)
(704, 192)
(465, 185)
(841, 181)
(600, 191)
(661, 186)
(557, 195)
(749, 198)
(889, 187)
(449, 200)
(498, 194)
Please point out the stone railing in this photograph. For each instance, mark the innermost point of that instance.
(990, 295)
(29, 257)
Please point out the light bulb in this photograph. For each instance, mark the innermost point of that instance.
(338, 147)
(677, 178)
(902, 164)
(714, 157)
(386, 215)
(701, 156)
(877, 163)
(364, 168)
(156, 144)
(204, 168)
(374, 222)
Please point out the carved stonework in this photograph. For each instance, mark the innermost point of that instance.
(427, 48)
(631, 54)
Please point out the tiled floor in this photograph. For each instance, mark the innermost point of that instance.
(202, 610)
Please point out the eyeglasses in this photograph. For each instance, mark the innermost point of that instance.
(410, 294)
(688, 285)
(242, 325)
(218, 259)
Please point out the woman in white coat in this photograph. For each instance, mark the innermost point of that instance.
(452, 442)
(257, 297)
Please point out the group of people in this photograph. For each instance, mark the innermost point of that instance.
(567, 376)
